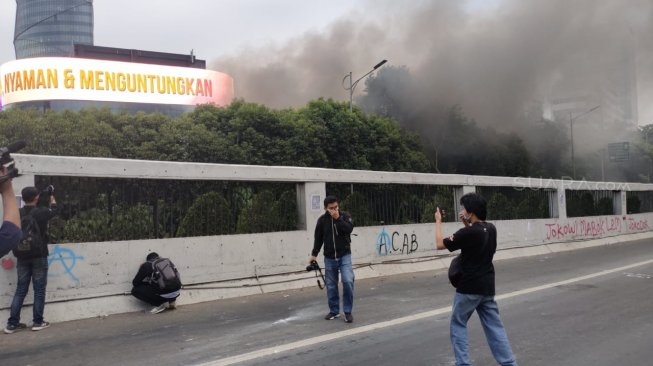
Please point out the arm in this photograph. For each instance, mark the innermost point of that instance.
(439, 241)
(344, 223)
(144, 271)
(9, 205)
(10, 233)
(53, 208)
(317, 242)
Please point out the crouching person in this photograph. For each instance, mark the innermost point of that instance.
(157, 283)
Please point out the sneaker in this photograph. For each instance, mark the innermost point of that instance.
(332, 316)
(10, 328)
(40, 326)
(172, 304)
(160, 308)
(349, 318)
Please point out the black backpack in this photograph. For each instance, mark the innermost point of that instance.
(165, 275)
(32, 244)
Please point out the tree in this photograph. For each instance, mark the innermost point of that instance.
(210, 214)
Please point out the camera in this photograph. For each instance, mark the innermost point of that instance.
(49, 190)
(313, 267)
(316, 267)
(8, 162)
(44, 196)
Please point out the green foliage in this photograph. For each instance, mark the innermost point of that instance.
(88, 226)
(580, 205)
(532, 207)
(443, 199)
(210, 214)
(97, 224)
(604, 206)
(267, 212)
(499, 207)
(356, 205)
(633, 205)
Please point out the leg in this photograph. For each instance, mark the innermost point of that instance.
(463, 307)
(347, 277)
(24, 271)
(495, 333)
(331, 279)
(40, 281)
(148, 294)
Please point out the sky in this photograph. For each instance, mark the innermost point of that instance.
(212, 28)
(492, 57)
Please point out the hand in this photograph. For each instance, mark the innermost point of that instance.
(335, 213)
(438, 215)
(462, 218)
(6, 185)
(312, 259)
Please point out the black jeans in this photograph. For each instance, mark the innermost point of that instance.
(148, 294)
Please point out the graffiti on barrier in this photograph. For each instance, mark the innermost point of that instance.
(387, 244)
(594, 227)
(66, 259)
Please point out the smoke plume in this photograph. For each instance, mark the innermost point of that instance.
(495, 61)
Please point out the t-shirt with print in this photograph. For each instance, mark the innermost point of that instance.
(477, 255)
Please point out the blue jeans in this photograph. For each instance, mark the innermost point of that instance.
(332, 267)
(495, 334)
(36, 270)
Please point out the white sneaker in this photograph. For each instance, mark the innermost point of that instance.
(160, 308)
(40, 326)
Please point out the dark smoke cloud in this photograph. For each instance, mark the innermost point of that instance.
(493, 62)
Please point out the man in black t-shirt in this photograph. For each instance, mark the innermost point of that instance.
(477, 241)
(32, 267)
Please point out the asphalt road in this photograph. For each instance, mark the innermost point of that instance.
(585, 307)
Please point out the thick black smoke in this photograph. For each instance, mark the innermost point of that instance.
(498, 63)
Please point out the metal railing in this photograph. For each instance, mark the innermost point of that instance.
(114, 199)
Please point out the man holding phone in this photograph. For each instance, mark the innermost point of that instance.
(475, 291)
(333, 230)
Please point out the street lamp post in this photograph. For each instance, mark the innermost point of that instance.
(352, 85)
(571, 127)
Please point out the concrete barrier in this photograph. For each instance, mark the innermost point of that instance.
(94, 279)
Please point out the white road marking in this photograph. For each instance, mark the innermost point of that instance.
(411, 318)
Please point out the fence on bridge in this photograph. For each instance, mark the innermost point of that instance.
(231, 227)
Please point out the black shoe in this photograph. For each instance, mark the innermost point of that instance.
(349, 318)
(332, 316)
(15, 328)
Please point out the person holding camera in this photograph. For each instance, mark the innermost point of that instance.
(10, 233)
(32, 258)
(333, 230)
(477, 241)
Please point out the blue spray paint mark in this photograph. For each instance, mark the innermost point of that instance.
(383, 243)
(68, 260)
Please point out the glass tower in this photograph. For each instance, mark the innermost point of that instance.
(52, 27)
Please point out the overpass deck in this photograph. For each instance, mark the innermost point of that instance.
(584, 307)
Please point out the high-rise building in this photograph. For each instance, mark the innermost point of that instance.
(52, 27)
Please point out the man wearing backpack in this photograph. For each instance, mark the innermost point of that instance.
(157, 283)
(32, 260)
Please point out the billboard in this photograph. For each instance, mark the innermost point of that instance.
(62, 78)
